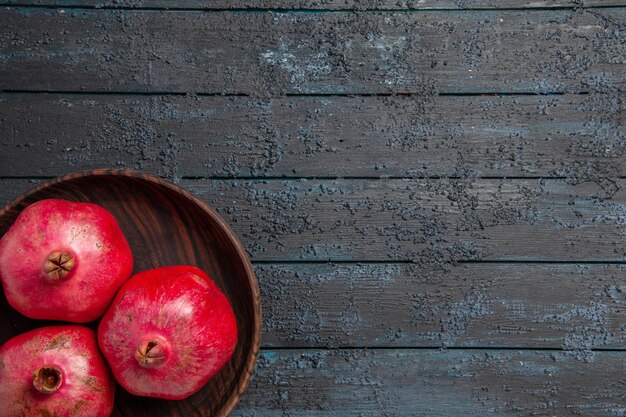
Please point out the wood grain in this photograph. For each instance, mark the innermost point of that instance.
(275, 53)
(199, 136)
(433, 221)
(164, 225)
(435, 383)
(327, 4)
(570, 306)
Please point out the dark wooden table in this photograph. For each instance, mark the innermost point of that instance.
(432, 192)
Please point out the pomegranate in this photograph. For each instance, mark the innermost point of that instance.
(55, 371)
(168, 331)
(63, 260)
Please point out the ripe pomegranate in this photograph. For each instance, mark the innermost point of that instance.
(63, 260)
(55, 371)
(167, 332)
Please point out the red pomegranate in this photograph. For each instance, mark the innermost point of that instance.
(168, 331)
(55, 371)
(63, 260)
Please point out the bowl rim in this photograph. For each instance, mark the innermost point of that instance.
(252, 355)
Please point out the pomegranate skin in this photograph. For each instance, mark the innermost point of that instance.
(63, 260)
(84, 386)
(168, 331)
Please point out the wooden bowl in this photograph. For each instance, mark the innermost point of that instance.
(165, 225)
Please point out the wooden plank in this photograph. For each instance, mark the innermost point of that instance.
(425, 221)
(325, 4)
(314, 136)
(435, 383)
(276, 53)
(574, 307)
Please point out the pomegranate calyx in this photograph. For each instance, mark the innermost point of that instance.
(150, 354)
(47, 379)
(58, 265)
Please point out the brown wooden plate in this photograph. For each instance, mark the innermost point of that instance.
(165, 225)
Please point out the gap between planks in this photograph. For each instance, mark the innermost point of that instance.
(431, 348)
(407, 261)
(322, 178)
(277, 10)
(207, 94)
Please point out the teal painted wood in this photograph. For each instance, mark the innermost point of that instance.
(428, 383)
(432, 221)
(326, 4)
(543, 51)
(557, 136)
